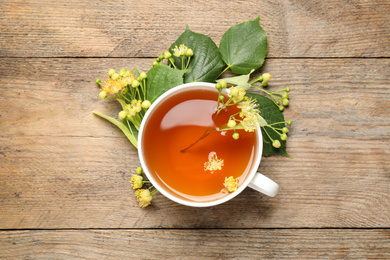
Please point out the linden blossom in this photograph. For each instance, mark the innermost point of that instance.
(144, 197)
(230, 184)
(213, 164)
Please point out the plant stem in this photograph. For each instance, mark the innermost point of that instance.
(188, 61)
(228, 67)
(268, 134)
(206, 133)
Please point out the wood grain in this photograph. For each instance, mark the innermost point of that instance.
(62, 167)
(73, 28)
(196, 244)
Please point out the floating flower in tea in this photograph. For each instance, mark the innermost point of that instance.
(230, 184)
(213, 164)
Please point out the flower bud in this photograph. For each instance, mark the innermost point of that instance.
(276, 144)
(266, 77)
(135, 84)
(111, 72)
(289, 122)
(221, 98)
(283, 137)
(223, 83)
(138, 170)
(155, 63)
(281, 108)
(285, 102)
(236, 136)
(103, 94)
(285, 96)
(143, 75)
(218, 86)
(127, 73)
(98, 81)
(161, 57)
(122, 72)
(115, 76)
(231, 123)
(189, 52)
(146, 104)
(122, 115)
(287, 89)
(167, 55)
(285, 130)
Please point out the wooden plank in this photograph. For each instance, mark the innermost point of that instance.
(335, 97)
(51, 28)
(196, 244)
(62, 167)
(79, 182)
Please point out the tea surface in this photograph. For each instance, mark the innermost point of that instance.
(179, 122)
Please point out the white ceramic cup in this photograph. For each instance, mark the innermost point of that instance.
(254, 179)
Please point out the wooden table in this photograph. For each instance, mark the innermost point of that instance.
(64, 173)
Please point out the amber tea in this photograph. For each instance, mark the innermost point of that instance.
(179, 122)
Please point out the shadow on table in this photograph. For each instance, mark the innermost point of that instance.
(248, 210)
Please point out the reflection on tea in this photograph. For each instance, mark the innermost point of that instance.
(179, 122)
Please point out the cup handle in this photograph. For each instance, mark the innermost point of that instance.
(265, 185)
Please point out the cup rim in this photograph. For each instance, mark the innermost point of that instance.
(248, 179)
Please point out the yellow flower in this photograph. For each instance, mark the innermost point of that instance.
(125, 81)
(249, 107)
(213, 163)
(111, 86)
(181, 51)
(134, 107)
(231, 184)
(250, 123)
(116, 84)
(136, 181)
(237, 94)
(143, 197)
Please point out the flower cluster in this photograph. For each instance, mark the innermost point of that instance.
(143, 196)
(130, 92)
(249, 117)
(281, 131)
(182, 52)
(280, 97)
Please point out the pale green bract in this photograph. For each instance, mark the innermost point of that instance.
(239, 81)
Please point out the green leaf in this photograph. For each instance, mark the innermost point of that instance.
(160, 79)
(244, 47)
(239, 81)
(271, 113)
(132, 138)
(206, 64)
